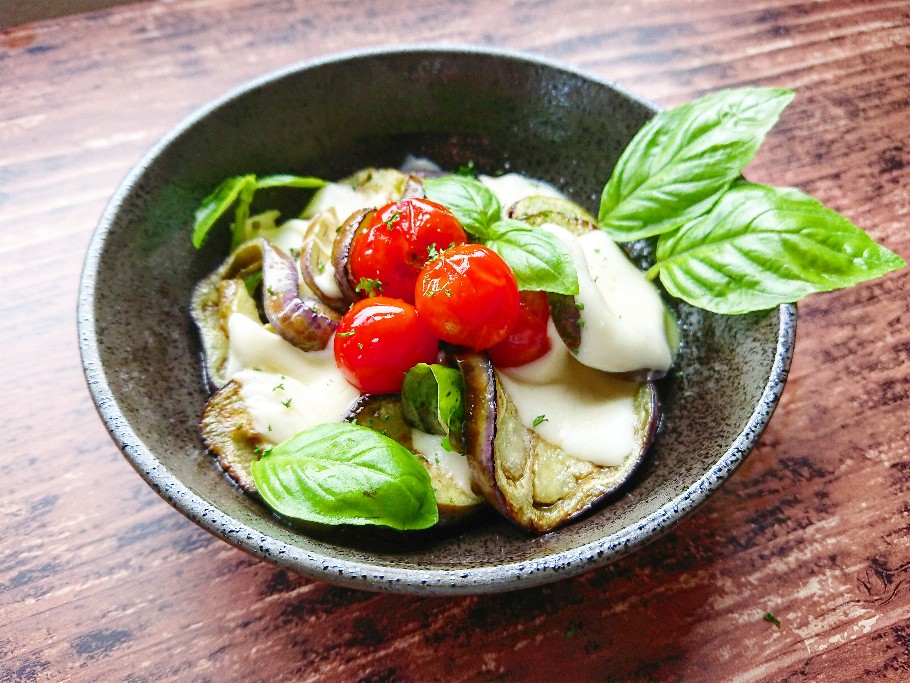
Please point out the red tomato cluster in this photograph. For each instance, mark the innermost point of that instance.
(433, 285)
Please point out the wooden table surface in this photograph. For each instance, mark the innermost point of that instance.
(101, 580)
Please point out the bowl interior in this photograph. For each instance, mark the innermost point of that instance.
(330, 118)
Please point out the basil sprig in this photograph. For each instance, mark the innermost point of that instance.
(539, 260)
(763, 246)
(346, 474)
(726, 245)
(238, 191)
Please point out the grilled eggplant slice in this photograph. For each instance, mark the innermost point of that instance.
(228, 433)
(341, 249)
(535, 484)
(213, 301)
(304, 321)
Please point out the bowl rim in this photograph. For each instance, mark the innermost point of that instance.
(351, 573)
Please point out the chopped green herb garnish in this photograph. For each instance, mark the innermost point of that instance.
(538, 420)
(287, 404)
(349, 333)
(278, 386)
(371, 287)
(467, 170)
(579, 305)
(391, 219)
(770, 617)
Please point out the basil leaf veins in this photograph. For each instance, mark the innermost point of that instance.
(538, 258)
(680, 163)
(346, 474)
(763, 246)
(540, 261)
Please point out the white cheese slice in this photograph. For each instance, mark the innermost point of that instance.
(587, 413)
(285, 390)
(454, 464)
(625, 322)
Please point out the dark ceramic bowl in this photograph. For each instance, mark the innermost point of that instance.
(329, 118)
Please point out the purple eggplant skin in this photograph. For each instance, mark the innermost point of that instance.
(305, 322)
(505, 456)
(341, 251)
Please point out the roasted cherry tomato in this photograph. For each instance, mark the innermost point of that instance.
(402, 236)
(468, 296)
(378, 340)
(527, 340)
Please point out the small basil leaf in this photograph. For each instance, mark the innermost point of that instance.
(285, 180)
(763, 246)
(539, 260)
(473, 203)
(343, 473)
(214, 206)
(433, 401)
(680, 163)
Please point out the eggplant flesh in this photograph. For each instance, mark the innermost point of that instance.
(228, 432)
(533, 483)
(385, 414)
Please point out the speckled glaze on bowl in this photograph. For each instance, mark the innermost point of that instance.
(328, 118)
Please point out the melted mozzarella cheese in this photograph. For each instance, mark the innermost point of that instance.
(625, 324)
(285, 390)
(454, 464)
(587, 413)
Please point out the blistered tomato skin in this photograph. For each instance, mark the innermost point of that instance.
(378, 340)
(468, 296)
(527, 340)
(399, 241)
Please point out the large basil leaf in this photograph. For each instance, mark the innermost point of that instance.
(432, 399)
(343, 473)
(539, 259)
(680, 163)
(473, 203)
(763, 246)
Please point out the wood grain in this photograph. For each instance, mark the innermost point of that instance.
(100, 580)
